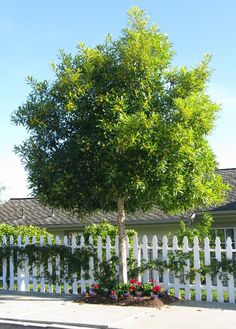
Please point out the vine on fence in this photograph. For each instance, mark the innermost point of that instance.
(77, 260)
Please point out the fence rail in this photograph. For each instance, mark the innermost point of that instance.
(27, 274)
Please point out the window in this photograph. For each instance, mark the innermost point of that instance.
(224, 233)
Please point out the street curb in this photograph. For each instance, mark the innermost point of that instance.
(54, 323)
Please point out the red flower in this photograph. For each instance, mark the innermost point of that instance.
(95, 286)
(113, 292)
(132, 281)
(131, 288)
(156, 289)
(152, 281)
(139, 284)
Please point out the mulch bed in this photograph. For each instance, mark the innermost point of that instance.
(146, 302)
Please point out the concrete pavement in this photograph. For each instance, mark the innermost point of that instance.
(31, 311)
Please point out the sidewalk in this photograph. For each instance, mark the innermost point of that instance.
(50, 311)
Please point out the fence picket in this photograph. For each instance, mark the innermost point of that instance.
(26, 266)
(220, 297)
(41, 269)
(165, 258)
(20, 274)
(128, 251)
(58, 268)
(187, 291)
(4, 266)
(74, 276)
(66, 283)
(50, 268)
(155, 273)
(145, 257)
(11, 266)
(108, 248)
(82, 280)
(176, 279)
(229, 255)
(197, 266)
(99, 248)
(117, 252)
(34, 267)
(91, 265)
(207, 256)
(137, 254)
(144, 252)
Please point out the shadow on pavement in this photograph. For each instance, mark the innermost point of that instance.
(208, 305)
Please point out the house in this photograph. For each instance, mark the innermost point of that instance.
(28, 211)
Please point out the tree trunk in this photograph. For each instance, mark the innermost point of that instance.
(122, 241)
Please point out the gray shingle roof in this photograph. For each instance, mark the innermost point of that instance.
(28, 211)
(229, 176)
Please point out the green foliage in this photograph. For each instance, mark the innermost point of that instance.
(71, 261)
(105, 229)
(119, 121)
(201, 230)
(177, 262)
(22, 230)
(106, 275)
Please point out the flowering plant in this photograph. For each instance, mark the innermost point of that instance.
(135, 290)
(139, 289)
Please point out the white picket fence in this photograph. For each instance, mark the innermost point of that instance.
(24, 278)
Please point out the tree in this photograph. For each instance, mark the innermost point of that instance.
(121, 129)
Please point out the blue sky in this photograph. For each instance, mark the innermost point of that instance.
(32, 32)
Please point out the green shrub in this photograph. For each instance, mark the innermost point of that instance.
(105, 229)
(201, 230)
(22, 230)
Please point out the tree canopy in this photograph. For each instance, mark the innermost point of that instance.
(121, 127)
(119, 120)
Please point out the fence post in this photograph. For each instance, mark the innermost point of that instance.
(187, 292)
(220, 297)
(11, 266)
(207, 255)
(197, 266)
(176, 279)
(229, 255)
(4, 266)
(165, 258)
